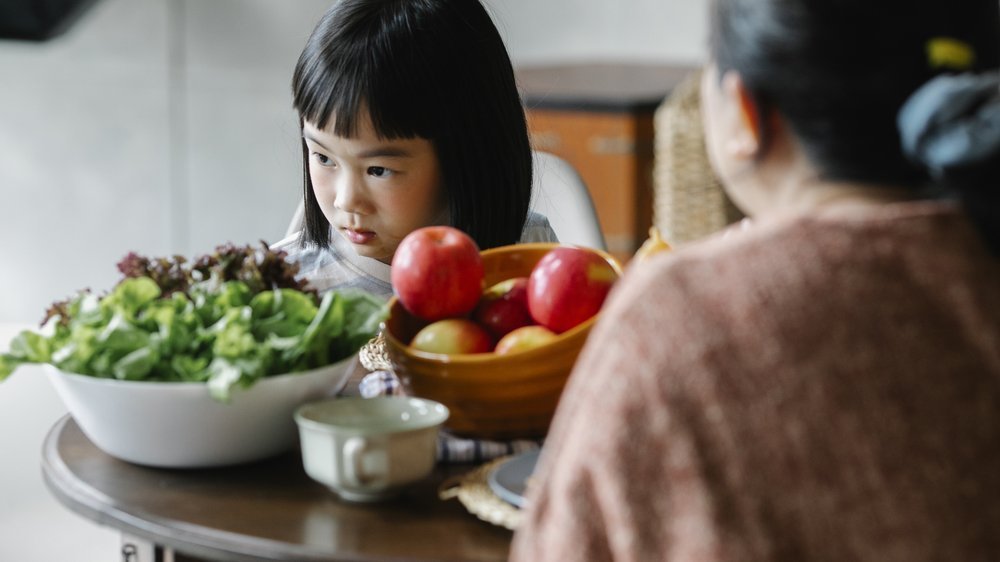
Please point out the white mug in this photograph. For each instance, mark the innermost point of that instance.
(367, 449)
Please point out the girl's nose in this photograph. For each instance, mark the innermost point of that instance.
(350, 195)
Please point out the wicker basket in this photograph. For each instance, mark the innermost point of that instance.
(688, 199)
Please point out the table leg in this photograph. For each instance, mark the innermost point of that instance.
(135, 549)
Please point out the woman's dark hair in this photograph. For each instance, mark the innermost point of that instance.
(838, 73)
(435, 69)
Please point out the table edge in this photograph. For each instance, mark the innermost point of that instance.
(95, 506)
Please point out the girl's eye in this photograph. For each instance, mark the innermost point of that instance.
(322, 159)
(379, 171)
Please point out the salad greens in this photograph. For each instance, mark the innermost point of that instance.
(229, 319)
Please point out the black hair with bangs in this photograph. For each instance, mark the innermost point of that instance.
(434, 69)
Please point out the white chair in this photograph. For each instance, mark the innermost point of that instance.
(559, 193)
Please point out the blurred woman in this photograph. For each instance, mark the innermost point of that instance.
(824, 385)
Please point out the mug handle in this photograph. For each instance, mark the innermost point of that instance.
(354, 453)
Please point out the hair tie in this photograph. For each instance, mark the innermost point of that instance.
(951, 53)
(952, 122)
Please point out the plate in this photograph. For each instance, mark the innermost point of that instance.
(509, 480)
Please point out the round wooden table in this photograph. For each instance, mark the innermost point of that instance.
(269, 510)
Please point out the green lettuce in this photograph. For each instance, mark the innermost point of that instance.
(224, 329)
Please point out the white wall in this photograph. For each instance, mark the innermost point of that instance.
(165, 126)
(538, 31)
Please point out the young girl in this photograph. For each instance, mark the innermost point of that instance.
(410, 117)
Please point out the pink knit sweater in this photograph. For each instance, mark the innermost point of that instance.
(810, 389)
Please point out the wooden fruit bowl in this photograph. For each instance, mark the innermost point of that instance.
(490, 396)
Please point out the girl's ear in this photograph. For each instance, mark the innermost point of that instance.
(745, 132)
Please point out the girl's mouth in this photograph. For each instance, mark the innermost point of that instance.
(358, 236)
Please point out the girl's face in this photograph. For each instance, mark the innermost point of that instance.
(374, 191)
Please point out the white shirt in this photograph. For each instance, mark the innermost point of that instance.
(340, 267)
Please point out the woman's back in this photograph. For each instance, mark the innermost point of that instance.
(821, 388)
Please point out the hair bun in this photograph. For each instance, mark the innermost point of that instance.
(952, 123)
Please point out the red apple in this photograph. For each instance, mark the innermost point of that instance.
(524, 338)
(437, 273)
(568, 286)
(451, 336)
(504, 307)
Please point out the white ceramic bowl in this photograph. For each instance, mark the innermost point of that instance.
(179, 425)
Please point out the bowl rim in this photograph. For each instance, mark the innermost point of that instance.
(551, 245)
(474, 358)
(304, 421)
(108, 381)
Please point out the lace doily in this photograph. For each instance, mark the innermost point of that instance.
(374, 356)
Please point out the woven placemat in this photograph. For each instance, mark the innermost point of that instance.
(473, 491)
